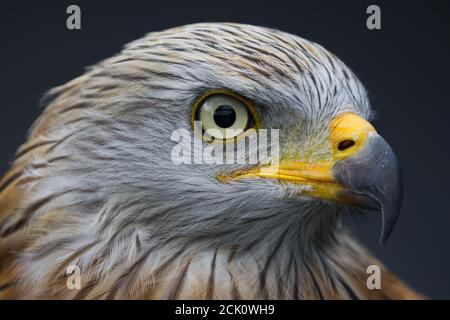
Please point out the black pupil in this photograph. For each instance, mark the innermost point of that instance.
(224, 116)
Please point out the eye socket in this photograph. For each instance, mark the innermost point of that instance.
(224, 115)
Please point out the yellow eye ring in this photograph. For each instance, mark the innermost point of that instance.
(240, 101)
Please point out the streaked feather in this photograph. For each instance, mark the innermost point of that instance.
(93, 186)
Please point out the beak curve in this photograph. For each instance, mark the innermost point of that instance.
(361, 171)
(372, 180)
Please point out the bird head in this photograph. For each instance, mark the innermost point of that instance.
(107, 143)
(236, 77)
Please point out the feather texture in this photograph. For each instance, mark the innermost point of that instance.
(94, 186)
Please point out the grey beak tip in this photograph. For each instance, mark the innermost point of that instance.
(385, 235)
(374, 173)
(389, 220)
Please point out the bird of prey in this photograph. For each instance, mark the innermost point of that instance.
(95, 189)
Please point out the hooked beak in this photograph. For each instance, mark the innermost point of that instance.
(372, 179)
(362, 171)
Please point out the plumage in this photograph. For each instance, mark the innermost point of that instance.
(94, 185)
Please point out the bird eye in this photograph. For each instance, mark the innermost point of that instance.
(224, 115)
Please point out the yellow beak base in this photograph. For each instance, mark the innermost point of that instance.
(361, 171)
(348, 134)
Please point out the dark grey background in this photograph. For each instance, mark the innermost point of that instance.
(405, 66)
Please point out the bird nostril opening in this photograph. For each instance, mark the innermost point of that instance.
(345, 144)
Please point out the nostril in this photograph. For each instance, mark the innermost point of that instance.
(345, 144)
